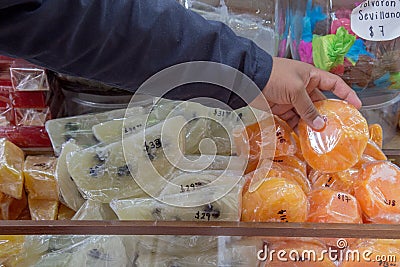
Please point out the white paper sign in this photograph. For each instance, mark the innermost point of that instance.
(377, 20)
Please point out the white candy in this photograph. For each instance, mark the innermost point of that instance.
(225, 209)
(69, 194)
(80, 127)
(102, 174)
(154, 152)
(111, 131)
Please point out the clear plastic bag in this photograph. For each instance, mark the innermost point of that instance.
(79, 128)
(377, 192)
(29, 79)
(226, 208)
(341, 143)
(31, 116)
(68, 191)
(330, 206)
(275, 200)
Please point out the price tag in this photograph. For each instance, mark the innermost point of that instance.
(377, 20)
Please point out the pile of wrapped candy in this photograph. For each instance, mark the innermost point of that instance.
(24, 107)
(321, 35)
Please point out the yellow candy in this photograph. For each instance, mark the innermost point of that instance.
(39, 177)
(12, 160)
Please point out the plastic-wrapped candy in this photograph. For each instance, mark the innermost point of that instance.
(11, 167)
(29, 78)
(96, 251)
(39, 177)
(68, 192)
(377, 192)
(111, 131)
(93, 210)
(101, 173)
(79, 128)
(43, 209)
(330, 206)
(340, 144)
(275, 200)
(225, 209)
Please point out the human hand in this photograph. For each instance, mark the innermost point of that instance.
(292, 88)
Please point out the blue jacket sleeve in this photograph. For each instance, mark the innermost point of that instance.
(124, 42)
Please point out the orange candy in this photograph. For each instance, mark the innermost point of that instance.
(378, 192)
(340, 144)
(374, 151)
(254, 140)
(330, 206)
(376, 134)
(275, 200)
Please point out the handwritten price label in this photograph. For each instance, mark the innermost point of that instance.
(377, 20)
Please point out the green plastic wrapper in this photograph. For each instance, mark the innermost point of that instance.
(329, 50)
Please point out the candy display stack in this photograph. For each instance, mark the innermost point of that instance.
(23, 103)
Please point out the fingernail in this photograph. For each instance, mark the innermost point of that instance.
(318, 123)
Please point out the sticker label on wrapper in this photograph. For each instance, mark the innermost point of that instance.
(377, 20)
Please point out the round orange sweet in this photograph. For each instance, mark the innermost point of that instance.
(275, 200)
(374, 151)
(378, 192)
(340, 144)
(331, 206)
(376, 134)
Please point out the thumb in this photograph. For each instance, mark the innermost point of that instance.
(307, 111)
